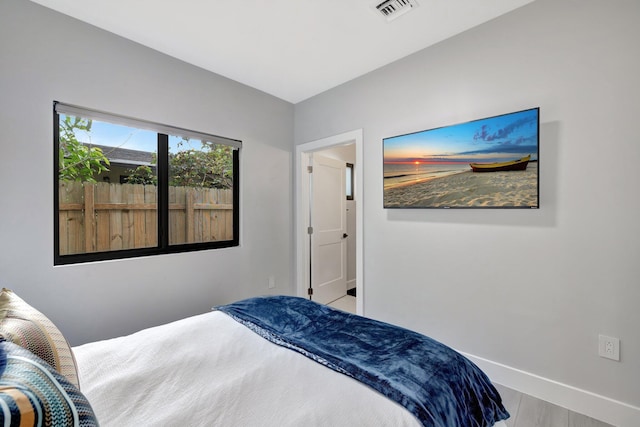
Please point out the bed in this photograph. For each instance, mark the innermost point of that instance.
(279, 361)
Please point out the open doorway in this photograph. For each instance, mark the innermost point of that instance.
(332, 147)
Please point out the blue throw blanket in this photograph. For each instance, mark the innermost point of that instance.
(435, 383)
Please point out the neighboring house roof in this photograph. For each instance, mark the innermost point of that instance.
(125, 156)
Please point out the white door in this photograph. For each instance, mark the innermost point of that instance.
(328, 222)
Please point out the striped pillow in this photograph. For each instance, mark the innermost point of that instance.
(32, 393)
(27, 327)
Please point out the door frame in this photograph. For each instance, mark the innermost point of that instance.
(301, 190)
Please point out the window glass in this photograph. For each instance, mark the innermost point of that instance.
(129, 188)
(106, 187)
(200, 191)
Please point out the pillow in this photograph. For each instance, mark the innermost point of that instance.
(32, 393)
(27, 327)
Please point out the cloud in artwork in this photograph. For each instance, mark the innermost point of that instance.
(485, 133)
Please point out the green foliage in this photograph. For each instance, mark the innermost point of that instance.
(143, 174)
(77, 161)
(209, 167)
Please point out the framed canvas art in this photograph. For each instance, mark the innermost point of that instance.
(485, 163)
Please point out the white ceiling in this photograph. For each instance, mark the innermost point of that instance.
(292, 49)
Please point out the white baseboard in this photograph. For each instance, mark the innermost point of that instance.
(602, 408)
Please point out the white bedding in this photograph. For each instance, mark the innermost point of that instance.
(209, 370)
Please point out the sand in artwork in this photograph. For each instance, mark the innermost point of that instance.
(469, 189)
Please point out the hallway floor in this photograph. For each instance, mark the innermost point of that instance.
(346, 303)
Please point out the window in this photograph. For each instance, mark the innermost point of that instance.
(126, 188)
(349, 181)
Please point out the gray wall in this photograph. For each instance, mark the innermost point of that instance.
(46, 56)
(531, 289)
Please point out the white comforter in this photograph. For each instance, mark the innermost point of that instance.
(209, 370)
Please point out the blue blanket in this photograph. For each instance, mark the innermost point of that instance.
(435, 383)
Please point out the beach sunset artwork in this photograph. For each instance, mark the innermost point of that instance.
(486, 163)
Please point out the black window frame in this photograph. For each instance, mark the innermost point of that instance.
(163, 247)
(350, 172)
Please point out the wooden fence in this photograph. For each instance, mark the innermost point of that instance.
(107, 217)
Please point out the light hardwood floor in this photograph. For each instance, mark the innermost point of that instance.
(525, 410)
(346, 303)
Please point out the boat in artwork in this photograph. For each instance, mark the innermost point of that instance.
(510, 165)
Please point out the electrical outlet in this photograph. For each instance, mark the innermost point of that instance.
(272, 282)
(609, 347)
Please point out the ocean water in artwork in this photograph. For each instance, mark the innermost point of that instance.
(397, 175)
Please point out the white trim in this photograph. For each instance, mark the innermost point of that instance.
(302, 210)
(596, 406)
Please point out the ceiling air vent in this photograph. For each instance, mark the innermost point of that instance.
(392, 9)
